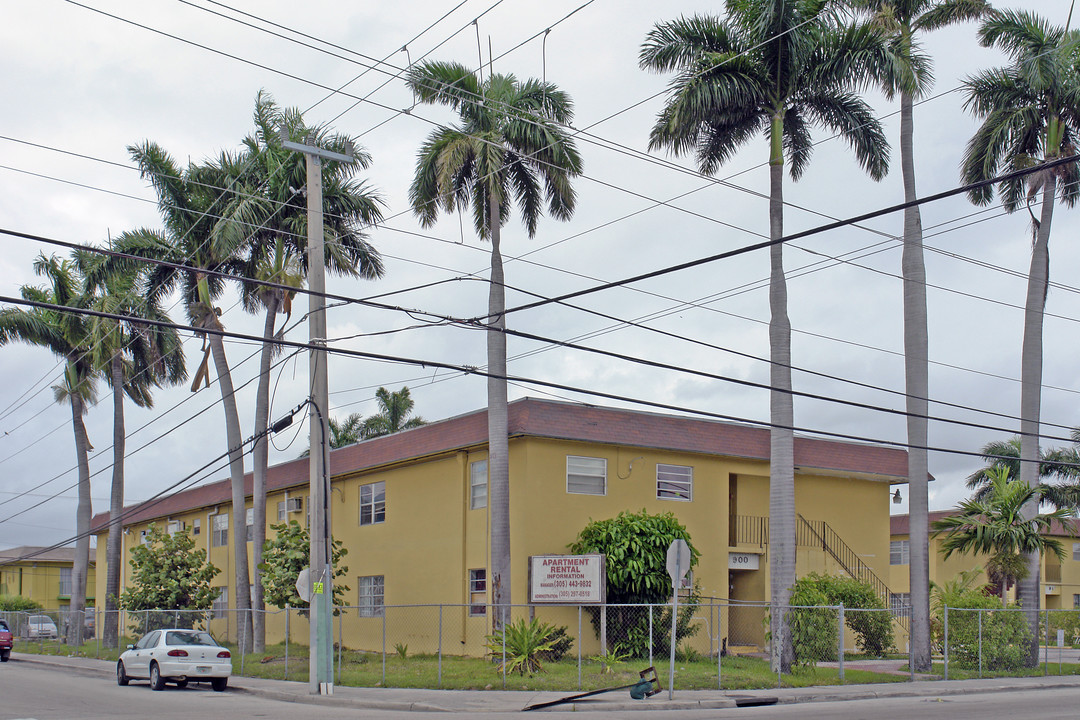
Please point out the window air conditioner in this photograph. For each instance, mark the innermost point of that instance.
(295, 504)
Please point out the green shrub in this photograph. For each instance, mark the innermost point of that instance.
(17, 603)
(813, 629)
(873, 627)
(561, 642)
(525, 643)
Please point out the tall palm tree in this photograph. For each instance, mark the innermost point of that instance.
(511, 144)
(197, 239)
(777, 68)
(903, 21)
(393, 416)
(1030, 113)
(68, 336)
(271, 220)
(134, 357)
(1061, 464)
(1001, 527)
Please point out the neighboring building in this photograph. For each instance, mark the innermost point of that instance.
(1060, 580)
(42, 575)
(411, 508)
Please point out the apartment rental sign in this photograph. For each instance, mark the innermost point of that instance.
(572, 579)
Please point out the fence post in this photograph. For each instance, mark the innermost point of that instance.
(240, 642)
(980, 641)
(579, 648)
(651, 663)
(946, 643)
(340, 642)
(440, 644)
(719, 651)
(502, 612)
(286, 641)
(383, 646)
(840, 642)
(1046, 651)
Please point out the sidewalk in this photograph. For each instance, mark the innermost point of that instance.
(477, 701)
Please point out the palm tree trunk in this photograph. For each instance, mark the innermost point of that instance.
(82, 526)
(782, 417)
(916, 375)
(236, 474)
(1028, 588)
(260, 461)
(498, 423)
(111, 625)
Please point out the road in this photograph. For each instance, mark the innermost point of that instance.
(44, 693)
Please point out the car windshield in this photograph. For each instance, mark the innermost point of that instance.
(4, 626)
(189, 637)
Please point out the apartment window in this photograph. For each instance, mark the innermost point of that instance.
(281, 511)
(586, 475)
(477, 591)
(219, 536)
(674, 482)
(478, 482)
(144, 536)
(370, 595)
(196, 526)
(175, 526)
(249, 523)
(373, 503)
(1076, 551)
(899, 552)
(1076, 601)
(900, 604)
(65, 581)
(221, 603)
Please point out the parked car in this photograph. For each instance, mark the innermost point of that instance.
(88, 624)
(39, 626)
(6, 641)
(176, 656)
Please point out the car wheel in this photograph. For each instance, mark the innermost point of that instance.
(122, 678)
(5, 655)
(181, 683)
(156, 681)
(219, 684)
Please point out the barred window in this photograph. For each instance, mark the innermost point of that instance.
(373, 503)
(478, 482)
(899, 552)
(219, 530)
(370, 595)
(900, 604)
(477, 591)
(674, 482)
(1076, 551)
(586, 475)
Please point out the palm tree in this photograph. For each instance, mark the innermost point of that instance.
(67, 335)
(134, 357)
(1062, 464)
(393, 415)
(1030, 113)
(197, 240)
(778, 69)
(903, 20)
(272, 222)
(512, 137)
(999, 526)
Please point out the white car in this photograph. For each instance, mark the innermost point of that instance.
(176, 656)
(39, 626)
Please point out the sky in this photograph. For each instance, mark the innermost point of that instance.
(82, 81)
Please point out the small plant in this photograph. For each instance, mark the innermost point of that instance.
(402, 650)
(525, 644)
(562, 642)
(612, 659)
(688, 654)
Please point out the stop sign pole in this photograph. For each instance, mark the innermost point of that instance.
(678, 563)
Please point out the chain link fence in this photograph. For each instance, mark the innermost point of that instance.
(374, 645)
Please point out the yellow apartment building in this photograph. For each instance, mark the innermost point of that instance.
(1060, 580)
(43, 576)
(411, 508)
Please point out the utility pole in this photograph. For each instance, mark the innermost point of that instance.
(321, 649)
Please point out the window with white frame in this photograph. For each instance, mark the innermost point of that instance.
(65, 581)
(373, 503)
(1076, 551)
(674, 482)
(370, 595)
(249, 523)
(219, 525)
(175, 526)
(196, 526)
(477, 591)
(221, 603)
(281, 511)
(899, 552)
(1076, 601)
(900, 604)
(478, 484)
(586, 475)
